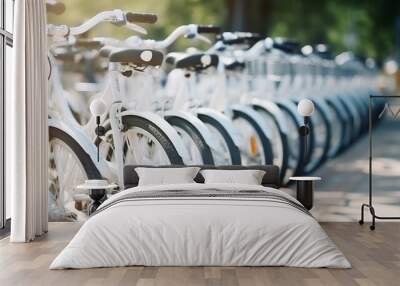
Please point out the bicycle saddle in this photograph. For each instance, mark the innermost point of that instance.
(235, 38)
(137, 57)
(287, 45)
(233, 64)
(198, 61)
(323, 51)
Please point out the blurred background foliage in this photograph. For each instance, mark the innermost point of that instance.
(367, 27)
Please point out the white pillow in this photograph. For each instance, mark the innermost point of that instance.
(248, 177)
(166, 176)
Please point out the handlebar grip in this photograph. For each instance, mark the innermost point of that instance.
(55, 7)
(208, 29)
(141, 17)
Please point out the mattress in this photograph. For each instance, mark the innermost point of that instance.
(201, 225)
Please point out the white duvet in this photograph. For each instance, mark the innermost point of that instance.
(200, 231)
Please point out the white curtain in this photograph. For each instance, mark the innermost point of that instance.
(26, 123)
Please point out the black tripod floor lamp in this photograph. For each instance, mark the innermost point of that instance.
(305, 108)
(99, 194)
(305, 184)
(98, 108)
(370, 203)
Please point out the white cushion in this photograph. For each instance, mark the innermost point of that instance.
(166, 176)
(248, 177)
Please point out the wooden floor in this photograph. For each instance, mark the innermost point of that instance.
(375, 257)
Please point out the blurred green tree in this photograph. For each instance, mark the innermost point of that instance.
(365, 26)
(171, 13)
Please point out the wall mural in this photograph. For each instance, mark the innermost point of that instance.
(117, 102)
(392, 110)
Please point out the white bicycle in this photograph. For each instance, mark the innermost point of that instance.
(142, 136)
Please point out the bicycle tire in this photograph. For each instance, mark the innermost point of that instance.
(343, 119)
(283, 139)
(154, 130)
(264, 140)
(130, 121)
(90, 168)
(322, 112)
(289, 108)
(195, 135)
(234, 151)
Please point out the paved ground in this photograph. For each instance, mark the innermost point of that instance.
(345, 179)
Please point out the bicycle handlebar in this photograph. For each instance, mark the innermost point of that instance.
(208, 29)
(178, 32)
(141, 17)
(116, 17)
(191, 30)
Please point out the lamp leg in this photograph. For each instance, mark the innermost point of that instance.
(304, 132)
(98, 137)
(305, 148)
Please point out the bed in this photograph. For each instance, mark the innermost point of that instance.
(198, 224)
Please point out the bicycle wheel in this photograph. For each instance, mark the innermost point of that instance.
(199, 151)
(276, 123)
(69, 166)
(338, 130)
(356, 122)
(225, 150)
(344, 119)
(145, 143)
(296, 162)
(255, 147)
(362, 108)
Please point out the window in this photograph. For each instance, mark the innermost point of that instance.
(6, 43)
(9, 15)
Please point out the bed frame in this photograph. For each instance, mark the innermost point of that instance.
(270, 179)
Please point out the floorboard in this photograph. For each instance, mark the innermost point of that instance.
(375, 257)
